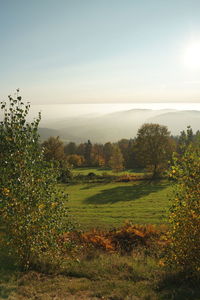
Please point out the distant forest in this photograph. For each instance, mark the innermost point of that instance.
(152, 148)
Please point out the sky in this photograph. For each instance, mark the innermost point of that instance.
(100, 51)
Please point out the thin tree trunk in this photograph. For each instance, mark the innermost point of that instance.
(155, 171)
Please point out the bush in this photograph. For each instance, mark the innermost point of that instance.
(92, 175)
(93, 178)
(124, 240)
(32, 209)
(66, 174)
(133, 177)
(185, 213)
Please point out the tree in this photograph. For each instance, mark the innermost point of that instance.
(124, 147)
(88, 153)
(132, 161)
(116, 160)
(185, 139)
(197, 139)
(75, 160)
(153, 146)
(81, 149)
(107, 152)
(54, 149)
(54, 152)
(70, 148)
(32, 208)
(97, 158)
(184, 213)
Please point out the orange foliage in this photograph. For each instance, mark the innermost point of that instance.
(124, 239)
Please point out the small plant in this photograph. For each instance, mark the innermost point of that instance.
(32, 209)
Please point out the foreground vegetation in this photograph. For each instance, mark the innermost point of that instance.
(98, 275)
(44, 256)
(120, 264)
(33, 210)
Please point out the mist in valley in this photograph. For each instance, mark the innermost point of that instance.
(112, 122)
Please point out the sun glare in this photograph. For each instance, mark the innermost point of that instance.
(192, 55)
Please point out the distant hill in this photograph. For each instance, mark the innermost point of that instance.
(114, 126)
(47, 132)
(178, 120)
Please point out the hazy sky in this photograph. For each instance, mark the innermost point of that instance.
(95, 51)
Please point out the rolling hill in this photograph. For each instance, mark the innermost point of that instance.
(114, 126)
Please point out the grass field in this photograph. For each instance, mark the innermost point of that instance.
(110, 205)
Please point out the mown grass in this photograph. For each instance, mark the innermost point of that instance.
(110, 205)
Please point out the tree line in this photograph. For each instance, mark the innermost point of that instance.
(152, 149)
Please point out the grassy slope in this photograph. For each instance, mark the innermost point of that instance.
(110, 205)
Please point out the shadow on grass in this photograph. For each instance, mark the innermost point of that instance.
(8, 274)
(176, 286)
(126, 193)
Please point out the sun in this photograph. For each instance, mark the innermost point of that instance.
(191, 56)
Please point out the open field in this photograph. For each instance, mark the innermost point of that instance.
(110, 205)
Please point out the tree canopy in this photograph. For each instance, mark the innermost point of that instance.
(116, 160)
(153, 146)
(54, 149)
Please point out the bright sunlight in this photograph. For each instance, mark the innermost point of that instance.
(192, 55)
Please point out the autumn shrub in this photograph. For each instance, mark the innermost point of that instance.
(184, 249)
(99, 240)
(133, 177)
(130, 236)
(124, 240)
(33, 210)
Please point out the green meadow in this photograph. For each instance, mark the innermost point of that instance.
(110, 205)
